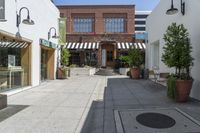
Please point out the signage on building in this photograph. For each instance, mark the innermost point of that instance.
(2, 9)
(141, 36)
(62, 31)
(11, 60)
(47, 43)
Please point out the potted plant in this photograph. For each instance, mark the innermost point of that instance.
(63, 71)
(134, 59)
(123, 70)
(177, 54)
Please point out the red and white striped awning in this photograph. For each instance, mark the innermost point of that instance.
(95, 45)
(5, 44)
(128, 45)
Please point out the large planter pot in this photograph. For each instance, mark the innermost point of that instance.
(183, 88)
(135, 73)
(63, 73)
(123, 71)
(82, 71)
(3, 101)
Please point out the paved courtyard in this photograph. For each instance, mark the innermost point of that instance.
(84, 104)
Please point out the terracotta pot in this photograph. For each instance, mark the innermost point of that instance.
(135, 73)
(59, 73)
(183, 88)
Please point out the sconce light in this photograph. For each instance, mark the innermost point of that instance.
(173, 10)
(49, 33)
(27, 21)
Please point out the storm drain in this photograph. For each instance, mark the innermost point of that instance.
(155, 120)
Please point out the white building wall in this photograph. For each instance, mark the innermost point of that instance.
(45, 15)
(157, 24)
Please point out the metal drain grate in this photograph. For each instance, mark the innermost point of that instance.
(155, 120)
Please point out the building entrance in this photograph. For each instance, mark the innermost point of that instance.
(108, 55)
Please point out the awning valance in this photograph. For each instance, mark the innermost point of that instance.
(5, 44)
(127, 45)
(83, 45)
(95, 45)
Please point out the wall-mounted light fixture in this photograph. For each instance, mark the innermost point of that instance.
(27, 21)
(173, 10)
(49, 33)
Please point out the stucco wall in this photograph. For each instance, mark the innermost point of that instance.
(45, 15)
(157, 24)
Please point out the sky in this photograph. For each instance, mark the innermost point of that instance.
(141, 5)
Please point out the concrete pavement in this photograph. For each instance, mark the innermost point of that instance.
(84, 104)
(58, 106)
(122, 93)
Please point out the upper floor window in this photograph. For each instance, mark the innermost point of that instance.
(140, 28)
(62, 15)
(83, 24)
(140, 22)
(115, 25)
(141, 16)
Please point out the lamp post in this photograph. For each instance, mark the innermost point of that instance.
(27, 21)
(49, 33)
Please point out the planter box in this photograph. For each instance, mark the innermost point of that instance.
(82, 71)
(3, 101)
(123, 71)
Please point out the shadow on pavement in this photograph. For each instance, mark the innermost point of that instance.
(10, 111)
(125, 93)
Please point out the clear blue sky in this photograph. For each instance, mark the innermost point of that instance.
(140, 4)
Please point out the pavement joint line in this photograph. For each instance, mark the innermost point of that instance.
(79, 126)
(188, 116)
(132, 93)
(118, 122)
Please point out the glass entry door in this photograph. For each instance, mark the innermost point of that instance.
(44, 60)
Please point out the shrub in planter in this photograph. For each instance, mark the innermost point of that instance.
(177, 54)
(63, 71)
(135, 60)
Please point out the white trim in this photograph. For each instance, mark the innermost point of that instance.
(137, 25)
(140, 19)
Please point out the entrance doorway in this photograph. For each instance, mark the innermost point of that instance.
(108, 55)
(47, 63)
(44, 60)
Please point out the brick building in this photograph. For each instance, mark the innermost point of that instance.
(98, 34)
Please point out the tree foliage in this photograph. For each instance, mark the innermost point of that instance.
(65, 54)
(177, 50)
(135, 56)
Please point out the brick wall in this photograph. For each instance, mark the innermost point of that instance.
(98, 13)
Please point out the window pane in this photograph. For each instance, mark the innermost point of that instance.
(83, 25)
(114, 25)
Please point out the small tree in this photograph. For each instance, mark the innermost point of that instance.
(135, 57)
(177, 50)
(65, 54)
